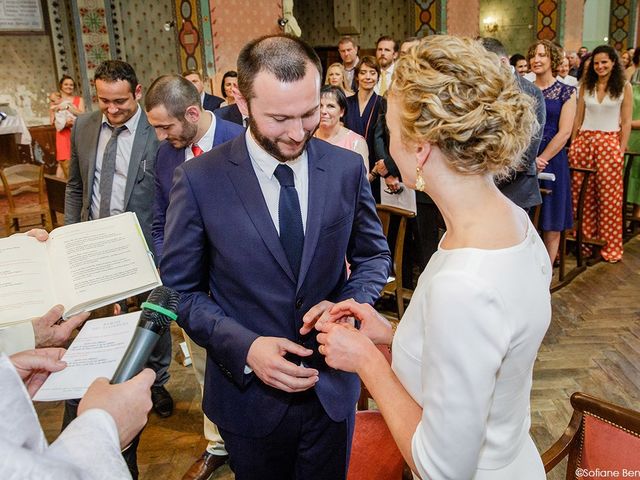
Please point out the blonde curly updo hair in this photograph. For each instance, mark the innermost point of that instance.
(456, 95)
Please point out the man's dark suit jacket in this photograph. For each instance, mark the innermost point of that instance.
(167, 160)
(220, 238)
(211, 102)
(230, 113)
(522, 187)
(140, 176)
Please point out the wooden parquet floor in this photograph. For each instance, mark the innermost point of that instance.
(593, 345)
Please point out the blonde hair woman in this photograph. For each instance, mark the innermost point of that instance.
(457, 397)
(337, 78)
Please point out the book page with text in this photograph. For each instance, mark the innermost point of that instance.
(26, 288)
(107, 260)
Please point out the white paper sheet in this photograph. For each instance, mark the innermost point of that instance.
(95, 352)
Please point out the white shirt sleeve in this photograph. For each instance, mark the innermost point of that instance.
(17, 338)
(466, 337)
(88, 449)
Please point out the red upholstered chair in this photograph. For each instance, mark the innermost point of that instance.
(374, 454)
(600, 437)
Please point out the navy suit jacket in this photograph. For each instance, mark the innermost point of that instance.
(231, 113)
(167, 159)
(223, 254)
(211, 102)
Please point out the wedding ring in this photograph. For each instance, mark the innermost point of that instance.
(321, 349)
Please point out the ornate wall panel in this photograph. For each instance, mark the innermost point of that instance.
(189, 35)
(621, 24)
(547, 20)
(428, 15)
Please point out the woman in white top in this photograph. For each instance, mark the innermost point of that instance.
(456, 398)
(599, 140)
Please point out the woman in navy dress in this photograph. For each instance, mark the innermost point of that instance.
(560, 100)
(363, 109)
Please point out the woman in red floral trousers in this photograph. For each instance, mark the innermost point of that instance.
(600, 135)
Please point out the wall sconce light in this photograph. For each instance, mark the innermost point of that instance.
(490, 25)
(169, 25)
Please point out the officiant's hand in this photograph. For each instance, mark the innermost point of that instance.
(39, 234)
(51, 331)
(128, 403)
(34, 366)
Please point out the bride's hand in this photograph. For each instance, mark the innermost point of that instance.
(344, 347)
(372, 324)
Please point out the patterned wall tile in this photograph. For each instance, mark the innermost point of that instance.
(27, 75)
(547, 20)
(428, 17)
(148, 47)
(235, 22)
(516, 22)
(621, 24)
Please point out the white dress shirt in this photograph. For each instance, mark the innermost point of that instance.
(88, 449)
(123, 157)
(388, 73)
(265, 166)
(568, 80)
(206, 142)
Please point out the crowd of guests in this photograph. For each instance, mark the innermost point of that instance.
(253, 202)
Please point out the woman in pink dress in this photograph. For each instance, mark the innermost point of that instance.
(333, 107)
(63, 112)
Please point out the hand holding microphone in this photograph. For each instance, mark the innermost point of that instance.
(157, 313)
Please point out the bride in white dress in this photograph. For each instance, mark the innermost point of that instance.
(456, 397)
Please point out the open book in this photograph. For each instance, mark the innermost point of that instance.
(81, 266)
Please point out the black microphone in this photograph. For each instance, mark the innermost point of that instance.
(157, 313)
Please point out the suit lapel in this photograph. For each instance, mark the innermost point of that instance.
(137, 152)
(248, 189)
(315, 209)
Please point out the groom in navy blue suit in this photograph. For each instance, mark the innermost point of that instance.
(257, 234)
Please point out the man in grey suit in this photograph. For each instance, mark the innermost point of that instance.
(112, 167)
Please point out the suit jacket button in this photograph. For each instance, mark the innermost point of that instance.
(299, 303)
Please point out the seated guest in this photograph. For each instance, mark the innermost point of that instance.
(337, 78)
(363, 110)
(333, 107)
(229, 82)
(457, 396)
(208, 102)
(109, 417)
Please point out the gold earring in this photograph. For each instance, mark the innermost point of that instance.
(419, 180)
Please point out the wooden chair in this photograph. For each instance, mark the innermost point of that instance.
(600, 436)
(15, 180)
(55, 195)
(630, 223)
(394, 283)
(576, 235)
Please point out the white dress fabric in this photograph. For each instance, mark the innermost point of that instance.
(88, 449)
(465, 350)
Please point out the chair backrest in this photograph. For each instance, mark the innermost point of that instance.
(374, 453)
(56, 188)
(20, 178)
(601, 437)
(386, 213)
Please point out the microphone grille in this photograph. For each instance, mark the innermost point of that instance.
(164, 297)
